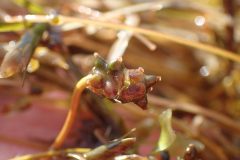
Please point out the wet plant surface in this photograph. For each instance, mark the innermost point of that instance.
(122, 80)
(119, 84)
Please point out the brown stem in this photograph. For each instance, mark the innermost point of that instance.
(154, 35)
(46, 74)
(229, 9)
(218, 151)
(196, 109)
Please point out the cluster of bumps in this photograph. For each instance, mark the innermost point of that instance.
(119, 84)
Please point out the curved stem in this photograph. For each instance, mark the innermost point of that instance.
(80, 86)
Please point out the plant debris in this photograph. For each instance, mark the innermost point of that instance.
(83, 62)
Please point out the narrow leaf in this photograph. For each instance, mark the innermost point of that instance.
(17, 59)
(167, 135)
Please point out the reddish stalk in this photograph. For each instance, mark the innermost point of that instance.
(80, 86)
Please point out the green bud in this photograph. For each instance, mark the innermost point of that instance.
(99, 62)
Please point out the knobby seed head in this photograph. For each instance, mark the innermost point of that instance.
(119, 84)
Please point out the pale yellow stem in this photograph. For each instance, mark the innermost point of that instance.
(154, 35)
(80, 86)
(51, 154)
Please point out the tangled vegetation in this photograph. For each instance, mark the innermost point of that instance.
(122, 80)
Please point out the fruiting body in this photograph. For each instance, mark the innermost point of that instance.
(119, 84)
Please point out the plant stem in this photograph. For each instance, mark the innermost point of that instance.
(80, 86)
(51, 154)
(229, 40)
(212, 146)
(154, 35)
(109, 151)
(46, 74)
(196, 109)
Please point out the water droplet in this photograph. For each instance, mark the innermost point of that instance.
(204, 71)
(199, 21)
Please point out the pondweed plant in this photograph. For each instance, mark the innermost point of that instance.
(192, 45)
(112, 81)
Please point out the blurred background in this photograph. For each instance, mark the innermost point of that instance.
(201, 88)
